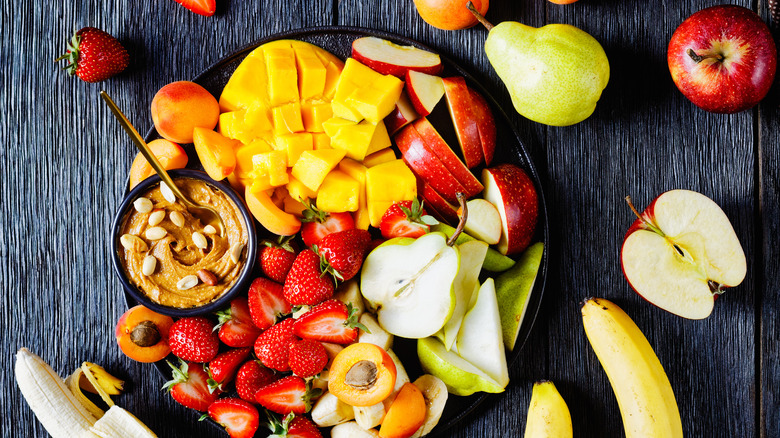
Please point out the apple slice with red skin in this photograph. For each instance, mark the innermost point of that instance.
(436, 203)
(425, 165)
(436, 144)
(425, 91)
(511, 190)
(391, 59)
(461, 108)
(486, 124)
(402, 115)
(681, 253)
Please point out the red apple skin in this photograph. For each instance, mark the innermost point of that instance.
(749, 59)
(436, 144)
(486, 124)
(521, 205)
(425, 165)
(462, 112)
(437, 205)
(387, 62)
(402, 115)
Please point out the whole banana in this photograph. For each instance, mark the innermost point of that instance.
(642, 389)
(548, 415)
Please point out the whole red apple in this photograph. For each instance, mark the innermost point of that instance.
(723, 58)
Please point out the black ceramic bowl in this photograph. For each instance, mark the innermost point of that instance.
(251, 249)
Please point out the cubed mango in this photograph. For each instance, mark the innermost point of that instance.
(288, 118)
(312, 166)
(244, 154)
(273, 164)
(377, 209)
(391, 181)
(294, 145)
(282, 75)
(298, 191)
(247, 85)
(321, 141)
(379, 157)
(338, 193)
(311, 73)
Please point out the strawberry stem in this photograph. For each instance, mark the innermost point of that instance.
(462, 219)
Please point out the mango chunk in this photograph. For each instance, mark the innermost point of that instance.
(288, 118)
(231, 124)
(298, 191)
(363, 93)
(311, 73)
(375, 103)
(358, 172)
(321, 141)
(333, 125)
(282, 75)
(247, 85)
(244, 154)
(314, 114)
(312, 166)
(333, 72)
(294, 145)
(257, 119)
(388, 182)
(377, 209)
(338, 193)
(379, 157)
(357, 140)
(380, 140)
(273, 164)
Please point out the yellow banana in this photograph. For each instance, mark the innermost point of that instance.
(548, 415)
(642, 389)
(118, 423)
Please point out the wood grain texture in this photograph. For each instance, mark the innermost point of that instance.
(64, 162)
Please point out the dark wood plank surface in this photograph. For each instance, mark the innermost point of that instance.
(64, 162)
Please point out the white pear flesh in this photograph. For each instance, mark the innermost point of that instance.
(460, 376)
(699, 248)
(472, 254)
(484, 221)
(375, 335)
(480, 341)
(410, 283)
(513, 291)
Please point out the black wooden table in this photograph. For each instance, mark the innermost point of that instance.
(64, 162)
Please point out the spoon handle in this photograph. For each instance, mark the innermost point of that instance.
(143, 147)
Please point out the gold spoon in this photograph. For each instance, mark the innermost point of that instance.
(207, 215)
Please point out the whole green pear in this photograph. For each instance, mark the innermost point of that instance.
(555, 73)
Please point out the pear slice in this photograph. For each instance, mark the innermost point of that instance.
(461, 377)
(480, 340)
(410, 283)
(513, 289)
(472, 254)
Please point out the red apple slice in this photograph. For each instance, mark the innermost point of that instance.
(463, 118)
(425, 91)
(402, 115)
(438, 206)
(391, 59)
(436, 144)
(486, 124)
(682, 253)
(510, 189)
(425, 165)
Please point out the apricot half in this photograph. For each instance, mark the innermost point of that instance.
(362, 375)
(142, 334)
(406, 414)
(169, 154)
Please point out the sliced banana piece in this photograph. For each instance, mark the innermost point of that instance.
(349, 293)
(401, 377)
(368, 417)
(330, 411)
(351, 429)
(435, 393)
(378, 335)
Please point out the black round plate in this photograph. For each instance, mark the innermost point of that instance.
(510, 149)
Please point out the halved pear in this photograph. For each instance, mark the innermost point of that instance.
(480, 341)
(461, 377)
(410, 283)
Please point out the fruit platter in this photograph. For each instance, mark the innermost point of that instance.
(427, 172)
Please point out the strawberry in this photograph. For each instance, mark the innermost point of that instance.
(223, 368)
(292, 426)
(331, 321)
(251, 377)
(318, 224)
(288, 395)
(344, 252)
(235, 325)
(306, 284)
(190, 387)
(94, 56)
(273, 345)
(307, 358)
(406, 219)
(200, 7)
(239, 417)
(193, 339)
(276, 258)
(266, 302)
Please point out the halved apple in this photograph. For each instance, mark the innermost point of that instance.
(486, 124)
(681, 253)
(425, 91)
(463, 118)
(402, 115)
(391, 59)
(510, 189)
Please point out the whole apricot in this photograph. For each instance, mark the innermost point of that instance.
(180, 107)
(450, 14)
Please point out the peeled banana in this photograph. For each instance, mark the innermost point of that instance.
(435, 393)
(642, 389)
(118, 423)
(548, 415)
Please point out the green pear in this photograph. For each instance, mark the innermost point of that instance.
(494, 260)
(460, 376)
(554, 74)
(513, 289)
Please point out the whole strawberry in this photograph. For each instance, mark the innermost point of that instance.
(193, 339)
(273, 345)
(223, 368)
(306, 284)
(94, 56)
(251, 377)
(276, 259)
(307, 358)
(344, 252)
(293, 426)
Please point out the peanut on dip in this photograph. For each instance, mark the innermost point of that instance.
(174, 259)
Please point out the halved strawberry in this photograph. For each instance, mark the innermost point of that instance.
(273, 345)
(251, 377)
(235, 324)
(276, 258)
(318, 224)
(344, 251)
(307, 358)
(267, 303)
(200, 7)
(406, 219)
(288, 395)
(223, 368)
(331, 321)
(293, 426)
(239, 417)
(190, 387)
